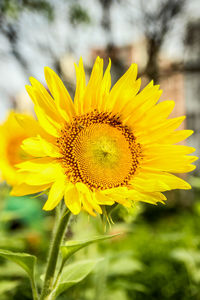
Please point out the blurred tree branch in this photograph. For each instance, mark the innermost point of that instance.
(78, 15)
(10, 13)
(157, 24)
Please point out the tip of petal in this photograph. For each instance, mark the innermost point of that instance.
(12, 192)
(187, 186)
(80, 60)
(98, 58)
(80, 64)
(46, 208)
(190, 168)
(109, 64)
(48, 70)
(28, 87)
(171, 103)
(151, 83)
(32, 80)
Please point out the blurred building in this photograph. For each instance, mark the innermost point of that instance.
(192, 82)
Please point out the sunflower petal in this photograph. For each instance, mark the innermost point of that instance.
(72, 198)
(180, 164)
(159, 182)
(153, 134)
(124, 90)
(40, 171)
(80, 87)
(55, 194)
(60, 94)
(152, 198)
(46, 123)
(39, 147)
(175, 137)
(105, 88)
(90, 101)
(32, 126)
(25, 189)
(89, 196)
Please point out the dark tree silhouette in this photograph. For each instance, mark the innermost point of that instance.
(157, 24)
(10, 13)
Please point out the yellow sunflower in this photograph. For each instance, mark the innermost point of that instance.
(106, 146)
(11, 137)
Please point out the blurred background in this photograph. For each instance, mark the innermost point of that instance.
(158, 255)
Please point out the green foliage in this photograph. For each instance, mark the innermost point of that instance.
(7, 285)
(24, 260)
(72, 247)
(26, 209)
(13, 8)
(191, 259)
(157, 256)
(78, 15)
(74, 273)
(123, 264)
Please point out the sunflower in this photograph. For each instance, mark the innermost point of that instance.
(106, 146)
(11, 137)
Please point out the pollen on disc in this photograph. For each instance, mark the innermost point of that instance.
(103, 155)
(98, 151)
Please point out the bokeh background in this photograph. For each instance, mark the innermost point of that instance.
(158, 254)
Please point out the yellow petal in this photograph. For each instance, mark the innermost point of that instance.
(38, 100)
(175, 137)
(39, 147)
(55, 194)
(180, 164)
(103, 199)
(119, 195)
(136, 116)
(151, 198)
(141, 99)
(124, 90)
(156, 114)
(88, 194)
(60, 94)
(36, 165)
(87, 206)
(38, 172)
(152, 135)
(157, 182)
(32, 126)
(105, 88)
(42, 98)
(46, 123)
(90, 101)
(80, 87)
(72, 198)
(25, 189)
(165, 151)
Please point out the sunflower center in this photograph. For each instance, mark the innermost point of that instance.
(99, 151)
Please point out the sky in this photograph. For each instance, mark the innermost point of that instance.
(39, 40)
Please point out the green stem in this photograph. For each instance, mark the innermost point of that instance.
(34, 289)
(59, 274)
(53, 257)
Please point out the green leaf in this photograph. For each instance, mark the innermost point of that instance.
(74, 273)
(7, 286)
(71, 247)
(26, 261)
(124, 266)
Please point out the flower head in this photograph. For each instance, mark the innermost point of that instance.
(11, 137)
(106, 146)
